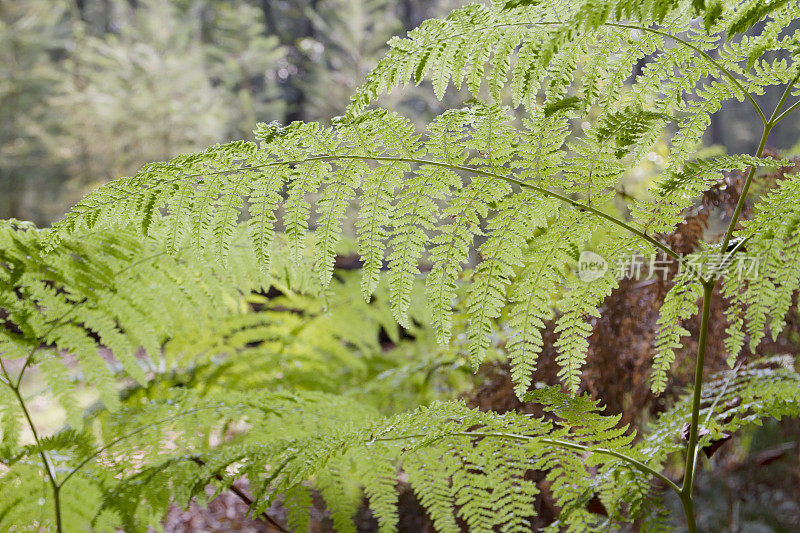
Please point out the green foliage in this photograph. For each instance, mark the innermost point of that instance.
(476, 160)
(122, 317)
(741, 397)
(480, 459)
(235, 349)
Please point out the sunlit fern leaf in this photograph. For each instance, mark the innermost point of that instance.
(342, 496)
(462, 218)
(677, 190)
(530, 297)
(760, 283)
(25, 505)
(59, 380)
(263, 201)
(379, 479)
(679, 304)
(626, 127)
(752, 12)
(416, 208)
(502, 254)
(393, 135)
(430, 475)
(99, 298)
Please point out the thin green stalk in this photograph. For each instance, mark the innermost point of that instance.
(768, 125)
(552, 442)
(787, 112)
(690, 470)
(48, 465)
(775, 118)
(541, 190)
(688, 510)
(691, 450)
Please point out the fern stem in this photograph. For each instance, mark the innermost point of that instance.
(630, 460)
(786, 113)
(706, 56)
(48, 465)
(557, 443)
(541, 190)
(691, 451)
(746, 188)
(775, 118)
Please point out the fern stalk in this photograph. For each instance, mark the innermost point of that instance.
(774, 119)
(691, 452)
(690, 468)
(46, 462)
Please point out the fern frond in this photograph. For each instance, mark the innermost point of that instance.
(531, 305)
(761, 284)
(731, 400)
(680, 303)
(435, 198)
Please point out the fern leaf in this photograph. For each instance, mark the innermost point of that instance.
(679, 304)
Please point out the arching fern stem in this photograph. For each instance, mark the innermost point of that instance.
(48, 465)
(725, 72)
(692, 450)
(557, 444)
(541, 190)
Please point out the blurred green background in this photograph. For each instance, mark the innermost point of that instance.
(90, 90)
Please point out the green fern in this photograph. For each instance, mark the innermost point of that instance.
(168, 270)
(475, 160)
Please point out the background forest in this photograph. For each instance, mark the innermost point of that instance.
(91, 90)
